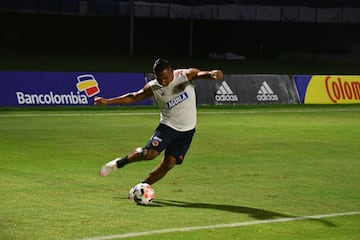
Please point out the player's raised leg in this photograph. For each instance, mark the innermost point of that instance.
(138, 154)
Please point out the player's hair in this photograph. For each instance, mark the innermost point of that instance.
(160, 65)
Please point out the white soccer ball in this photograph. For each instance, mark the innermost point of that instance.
(142, 194)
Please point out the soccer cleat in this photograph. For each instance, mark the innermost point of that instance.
(109, 167)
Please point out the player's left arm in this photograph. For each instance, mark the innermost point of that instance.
(194, 73)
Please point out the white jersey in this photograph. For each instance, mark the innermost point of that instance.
(177, 102)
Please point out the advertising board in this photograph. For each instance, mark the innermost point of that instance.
(328, 89)
(26, 88)
(247, 89)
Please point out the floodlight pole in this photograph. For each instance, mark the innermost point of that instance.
(191, 37)
(191, 30)
(132, 15)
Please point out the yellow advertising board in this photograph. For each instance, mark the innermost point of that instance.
(333, 89)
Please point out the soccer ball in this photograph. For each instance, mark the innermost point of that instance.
(142, 194)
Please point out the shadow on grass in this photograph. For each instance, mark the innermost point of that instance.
(256, 213)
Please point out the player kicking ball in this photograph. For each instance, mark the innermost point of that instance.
(174, 93)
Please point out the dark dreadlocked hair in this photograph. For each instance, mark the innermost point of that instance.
(160, 65)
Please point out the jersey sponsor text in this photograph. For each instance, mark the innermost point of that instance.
(177, 100)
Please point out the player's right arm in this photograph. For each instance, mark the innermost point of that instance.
(127, 98)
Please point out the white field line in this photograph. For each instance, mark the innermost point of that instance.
(78, 114)
(157, 113)
(237, 224)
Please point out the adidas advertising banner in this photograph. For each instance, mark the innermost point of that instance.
(247, 89)
(23, 88)
(321, 89)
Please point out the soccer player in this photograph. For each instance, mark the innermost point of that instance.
(175, 96)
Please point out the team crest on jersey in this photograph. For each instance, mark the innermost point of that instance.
(177, 100)
(179, 72)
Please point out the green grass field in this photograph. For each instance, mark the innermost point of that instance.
(251, 166)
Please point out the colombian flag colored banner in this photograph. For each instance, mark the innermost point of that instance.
(331, 89)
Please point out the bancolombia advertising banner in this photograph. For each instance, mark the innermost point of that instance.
(25, 88)
(321, 89)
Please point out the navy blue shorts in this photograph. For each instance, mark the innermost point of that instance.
(174, 142)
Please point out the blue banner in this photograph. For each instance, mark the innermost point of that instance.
(302, 82)
(25, 88)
